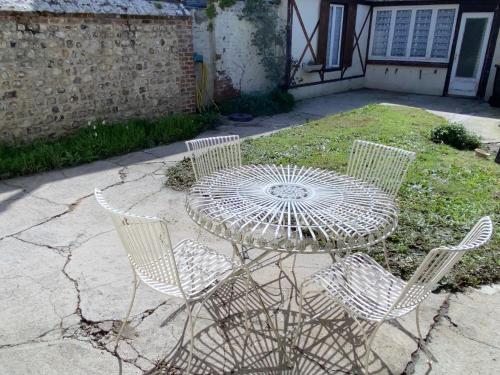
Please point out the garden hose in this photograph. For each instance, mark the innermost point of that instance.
(202, 89)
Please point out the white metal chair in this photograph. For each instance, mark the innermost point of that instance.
(367, 291)
(189, 270)
(209, 155)
(380, 165)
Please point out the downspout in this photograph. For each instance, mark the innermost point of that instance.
(288, 66)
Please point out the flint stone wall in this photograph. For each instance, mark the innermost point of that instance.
(58, 72)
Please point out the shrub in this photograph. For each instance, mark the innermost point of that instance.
(270, 103)
(455, 135)
(99, 141)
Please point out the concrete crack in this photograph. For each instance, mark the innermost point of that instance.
(61, 250)
(70, 208)
(144, 198)
(442, 313)
(31, 341)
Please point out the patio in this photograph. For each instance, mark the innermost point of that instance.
(72, 280)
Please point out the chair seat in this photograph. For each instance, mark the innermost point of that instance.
(365, 288)
(199, 269)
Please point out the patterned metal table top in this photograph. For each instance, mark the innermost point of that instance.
(291, 208)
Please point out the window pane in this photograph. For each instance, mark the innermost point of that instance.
(381, 33)
(401, 31)
(468, 59)
(334, 35)
(442, 33)
(421, 32)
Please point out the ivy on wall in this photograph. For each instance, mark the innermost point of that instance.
(268, 37)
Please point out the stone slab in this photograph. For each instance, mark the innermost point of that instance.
(36, 295)
(466, 340)
(61, 357)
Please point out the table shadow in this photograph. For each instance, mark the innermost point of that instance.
(332, 344)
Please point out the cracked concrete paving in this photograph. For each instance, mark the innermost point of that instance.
(66, 281)
(466, 340)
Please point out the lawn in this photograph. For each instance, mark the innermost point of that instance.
(445, 193)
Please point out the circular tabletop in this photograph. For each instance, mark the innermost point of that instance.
(291, 208)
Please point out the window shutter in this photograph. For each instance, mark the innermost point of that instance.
(349, 30)
(324, 18)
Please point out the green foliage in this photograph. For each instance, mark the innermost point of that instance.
(211, 11)
(267, 104)
(445, 192)
(455, 135)
(158, 5)
(99, 141)
(268, 38)
(226, 3)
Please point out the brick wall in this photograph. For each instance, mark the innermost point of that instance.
(57, 73)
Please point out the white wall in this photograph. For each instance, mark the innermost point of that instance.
(493, 70)
(228, 52)
(203, 44)
(309, 11)
(417, 80)
(237, 58)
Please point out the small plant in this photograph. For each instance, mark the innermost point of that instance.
(158, 5)
(100, 140)
(276, 101)
(455, 135)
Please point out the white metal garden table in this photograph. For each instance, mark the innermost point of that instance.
(291, 209)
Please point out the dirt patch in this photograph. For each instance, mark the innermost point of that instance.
(492, 147)
(180, 177)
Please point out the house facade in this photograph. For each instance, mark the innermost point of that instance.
(435, 47)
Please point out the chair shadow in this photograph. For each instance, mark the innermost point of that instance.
(330, 345)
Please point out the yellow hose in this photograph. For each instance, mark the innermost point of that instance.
(202, 90)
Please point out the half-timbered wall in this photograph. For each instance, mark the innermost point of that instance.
(305, 26)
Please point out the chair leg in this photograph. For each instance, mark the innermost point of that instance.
(430, 357)
(129, 310)
(365, 340)
(386, 255)
(369, 349)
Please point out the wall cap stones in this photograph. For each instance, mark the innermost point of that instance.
(156, 8)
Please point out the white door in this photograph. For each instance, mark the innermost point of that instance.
(469, 54)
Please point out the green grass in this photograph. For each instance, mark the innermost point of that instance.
(446, 190)
(98, 141)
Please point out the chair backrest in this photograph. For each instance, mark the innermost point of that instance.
(147, 243)
(383, 166)
(209, 155)
(439, 262)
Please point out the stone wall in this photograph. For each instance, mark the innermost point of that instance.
(58, 72)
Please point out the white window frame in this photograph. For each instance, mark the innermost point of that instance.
(329, 39)
(430, 39)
